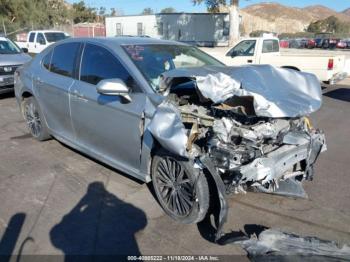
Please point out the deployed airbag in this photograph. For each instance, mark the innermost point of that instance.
(277, 92)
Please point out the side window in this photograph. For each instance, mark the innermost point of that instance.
(40, 39)
(99, 64)
(63, 59)
(139, 29)
(118, 29)
(270, 46)
(47, 60)
(244, 48)
(31, 37)
(160, 28)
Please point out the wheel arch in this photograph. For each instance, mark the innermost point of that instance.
(292, 68)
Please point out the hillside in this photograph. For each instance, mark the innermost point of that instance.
(346, 12)
(279, 18)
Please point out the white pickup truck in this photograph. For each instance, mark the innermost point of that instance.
(262, 50)
(37, 41)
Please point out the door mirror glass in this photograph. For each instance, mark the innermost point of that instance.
(25, 50)
(113, 87)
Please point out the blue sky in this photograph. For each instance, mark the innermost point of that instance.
(136, 6)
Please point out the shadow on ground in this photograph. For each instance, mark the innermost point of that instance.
(10, 236)
(100, 224)
(342, 94)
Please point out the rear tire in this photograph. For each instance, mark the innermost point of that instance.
(182, 190)
(34, 119)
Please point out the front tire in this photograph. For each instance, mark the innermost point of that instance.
(34, 119)
(182, 190)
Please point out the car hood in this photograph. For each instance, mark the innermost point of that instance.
(276, 92)
(14, 59)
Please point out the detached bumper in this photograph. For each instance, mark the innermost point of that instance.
(275, 165)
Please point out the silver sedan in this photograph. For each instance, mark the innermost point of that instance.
(169, 113)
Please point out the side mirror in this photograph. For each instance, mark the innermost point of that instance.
(232, 53)
(113, 87)
(25, 50)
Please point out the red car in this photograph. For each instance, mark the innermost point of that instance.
(341, 44)
(311, 43)
(284, 43)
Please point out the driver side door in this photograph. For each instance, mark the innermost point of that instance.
(40, 43)
(243, 53)
(107, 126)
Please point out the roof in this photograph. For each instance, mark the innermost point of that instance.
(124, 40)
(47, 31)
(177, 13)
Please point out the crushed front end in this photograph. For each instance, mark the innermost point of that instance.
(247, 134)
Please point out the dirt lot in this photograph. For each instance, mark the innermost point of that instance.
(57, 201)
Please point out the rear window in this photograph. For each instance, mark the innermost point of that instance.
(63, 59)
(55, 37)
(270, 46)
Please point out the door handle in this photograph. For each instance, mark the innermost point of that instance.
(250, 61)
(79, 95)
(38, 79)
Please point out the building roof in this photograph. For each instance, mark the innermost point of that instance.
(177, 13)
(124, 40)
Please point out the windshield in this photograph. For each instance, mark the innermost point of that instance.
(154, 60)
(55, 36)
(8, 47)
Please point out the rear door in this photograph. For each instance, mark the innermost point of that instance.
(270, 49)
(109, 126)
(53, 84)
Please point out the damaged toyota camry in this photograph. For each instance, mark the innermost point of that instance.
(169, 113)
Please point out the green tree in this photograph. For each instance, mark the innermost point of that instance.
(168, 10)
(232, 5)
(81, 13)
(147, 11)
(330, 25)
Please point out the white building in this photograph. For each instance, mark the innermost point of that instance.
(203, 29)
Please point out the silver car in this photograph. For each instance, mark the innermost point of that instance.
(169, 113)
(11, 57)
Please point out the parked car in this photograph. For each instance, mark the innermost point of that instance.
(284, 43)
(348, 43)
(11, 57)
(311, 43)
(330, 43)
(169, 113)
(298, 43)
(327, 68)
(37, 41)
(342, 44)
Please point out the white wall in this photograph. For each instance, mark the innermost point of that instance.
(129, 25)
(192, 28)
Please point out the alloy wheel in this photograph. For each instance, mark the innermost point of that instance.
(175, 188)
(33, 119)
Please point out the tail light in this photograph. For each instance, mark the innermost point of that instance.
(330, 64)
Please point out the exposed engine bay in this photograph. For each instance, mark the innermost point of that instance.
(248, 150)
(245, 132)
